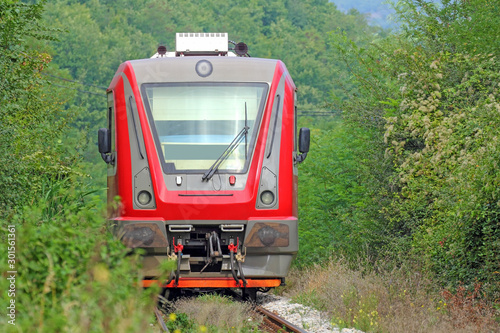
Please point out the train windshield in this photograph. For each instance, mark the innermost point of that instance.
(194, 123)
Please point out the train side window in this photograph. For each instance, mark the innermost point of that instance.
(295, 122)
(111, 127)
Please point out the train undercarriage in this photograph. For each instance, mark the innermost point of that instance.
(210, 256)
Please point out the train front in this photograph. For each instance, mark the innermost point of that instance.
(202, 152)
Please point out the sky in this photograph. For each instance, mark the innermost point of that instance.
(377, 11)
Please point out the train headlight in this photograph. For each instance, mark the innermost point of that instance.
(267, 197)
(268, 235)
(144, 198)
(142, 234)
(139, 237)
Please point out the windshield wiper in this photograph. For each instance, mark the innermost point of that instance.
(229, 150)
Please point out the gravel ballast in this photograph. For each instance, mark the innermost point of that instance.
(311, 320)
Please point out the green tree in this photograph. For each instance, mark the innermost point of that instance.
(457, 26)
(31, 115)
(430, 96)
(334, 196)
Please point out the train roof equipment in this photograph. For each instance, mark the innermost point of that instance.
(203, 44)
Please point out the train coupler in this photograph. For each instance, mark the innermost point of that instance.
(214, 250)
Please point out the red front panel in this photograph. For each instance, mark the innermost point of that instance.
(242, 204)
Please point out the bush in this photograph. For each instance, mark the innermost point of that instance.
(444, 143)
(72, 275)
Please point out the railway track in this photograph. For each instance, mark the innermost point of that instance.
(270, 322)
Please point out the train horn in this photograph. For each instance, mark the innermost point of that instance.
(241, 49)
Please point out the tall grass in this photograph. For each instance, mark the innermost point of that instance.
(214, 313)
(390, 301)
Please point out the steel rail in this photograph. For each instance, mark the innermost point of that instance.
(275, 323)
(160, 320)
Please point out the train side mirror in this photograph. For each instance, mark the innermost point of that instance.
(104, 142)
(304, 141)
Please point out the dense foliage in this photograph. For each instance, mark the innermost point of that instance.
(429, 95)
(71, 275)
(335, 196)
(64, 258)
(30, 110)
(102, 35)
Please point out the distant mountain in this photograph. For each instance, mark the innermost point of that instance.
(377, 11)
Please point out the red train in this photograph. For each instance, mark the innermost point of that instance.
(202, 151)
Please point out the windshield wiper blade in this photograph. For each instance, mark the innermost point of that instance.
(229, 150)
